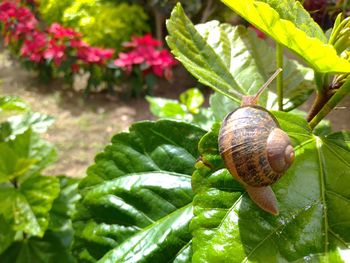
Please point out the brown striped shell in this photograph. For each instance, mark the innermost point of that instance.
(253, 147)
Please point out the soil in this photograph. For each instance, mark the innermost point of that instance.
(83, 126)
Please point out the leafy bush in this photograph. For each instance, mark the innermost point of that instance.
(187, 109)
(60, 51)
(143, 61)
(35, 209)
(52, 10)
(102, 24)
(161, 192)
(53, 51)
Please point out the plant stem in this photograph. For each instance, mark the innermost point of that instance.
(207, 11)
(317, 105)
(159, 21)
(331, 103)
(279, 79)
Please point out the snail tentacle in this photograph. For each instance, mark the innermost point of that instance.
(264, 197)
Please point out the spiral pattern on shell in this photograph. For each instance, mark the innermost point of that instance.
(250, 152)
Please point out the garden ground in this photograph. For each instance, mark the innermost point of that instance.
(83, 127)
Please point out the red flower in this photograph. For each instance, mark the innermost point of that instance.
(18, 21)
(94, 54)
(60, 32)
(145, 54)
(145, 40)
(55, 52)
(260, 34)
(34, 46)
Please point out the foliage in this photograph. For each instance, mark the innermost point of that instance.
(136, 199)
(187, 109)
(226, 226)
(30, 227)
(52, 10)
(105, 24)
(312, 221)
(53, 51)
(60, 51)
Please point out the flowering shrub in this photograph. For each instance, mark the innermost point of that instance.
(144, 54)
(58, 50)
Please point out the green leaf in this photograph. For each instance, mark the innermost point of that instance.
(233, 59)
(294, 11)
(12, 103)
(166, 108)
(194, 53)
(136, 199)
(49, 249)
(313, 198)
(193, 99)
(25, 155)
(31, 120)
(25, 206)
(63, 206)
(275, 21)
(7, 235)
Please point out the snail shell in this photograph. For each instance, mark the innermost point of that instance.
(255, 151)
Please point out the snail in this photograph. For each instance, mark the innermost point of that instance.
(255, 150)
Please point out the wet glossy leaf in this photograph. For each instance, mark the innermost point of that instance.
(233, 59)
(313, 197)
(136, 199)
(49, 249)
(26, 205)
(295, 34)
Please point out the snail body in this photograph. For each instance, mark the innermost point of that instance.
(255, 151)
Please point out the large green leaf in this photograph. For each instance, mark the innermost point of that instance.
(48, 249)
(275, 20)
(25, 206)
(313, 197)
(231, 59)
(136, 199)
(26, 154)
(294, 11)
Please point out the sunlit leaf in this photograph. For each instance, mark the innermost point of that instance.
(277, 23)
